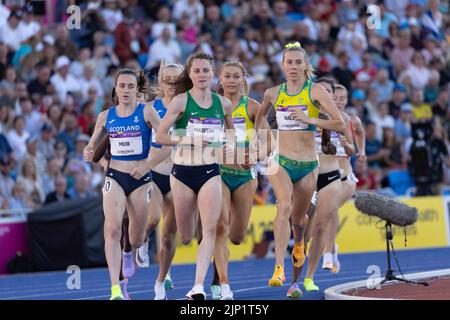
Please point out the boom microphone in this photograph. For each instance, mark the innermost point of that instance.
(385, 208)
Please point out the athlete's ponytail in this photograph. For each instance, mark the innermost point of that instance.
(141, 81)
(327, 146)
(156, 88)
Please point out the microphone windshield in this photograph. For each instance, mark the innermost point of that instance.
(385, 208)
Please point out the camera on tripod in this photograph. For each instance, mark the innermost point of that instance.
(421, 161)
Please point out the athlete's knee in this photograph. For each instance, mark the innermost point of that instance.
(320, 229)
(152, 225)
(222, 228)
(113, 230)
(237, 239)
(137, 240)
(209, 231)
(186, 237)
(186, 240)
(168, 242)
(284, 210)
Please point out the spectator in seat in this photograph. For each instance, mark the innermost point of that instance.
(421, 110)
(62, 80)
(81, 189)
(60, 194)
(32, 183)
(397, 99)
(70, 132)
(19, 199)
(53, 169)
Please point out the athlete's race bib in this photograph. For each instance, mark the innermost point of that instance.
(319, 141)
(126, 143)
(351, 177)
(286, 121)
(253, 172)
(240, 129)
(210, 129)
(340, 151)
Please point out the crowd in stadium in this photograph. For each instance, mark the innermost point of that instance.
(56, 76)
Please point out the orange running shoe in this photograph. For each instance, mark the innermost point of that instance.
(278, 277)
(298, 254)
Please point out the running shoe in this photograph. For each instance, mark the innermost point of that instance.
(336, 264)
(128, 266)
(142, 258)
(196, 293)
(327, 263)
(116, 293)
(278, 277)
(160, 291)
(216, 292)
(123, 287)
(225, 292)
(294, 292)
(168, 283)
(298, 254)
(309, 285)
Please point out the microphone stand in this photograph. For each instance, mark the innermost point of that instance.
(390, 273)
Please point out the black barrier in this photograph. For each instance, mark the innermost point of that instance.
(67, 233)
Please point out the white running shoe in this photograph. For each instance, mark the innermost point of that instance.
(168, 283)
(160, 291)
(128, 266)
(327, 261)
(196, 293)
(336, 263)
(216, 292)
(142, 258)
(225, 292)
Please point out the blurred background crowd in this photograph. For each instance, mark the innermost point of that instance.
(56, 76)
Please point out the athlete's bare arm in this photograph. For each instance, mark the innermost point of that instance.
(360, 138)
(175, 110)
(88, 153)
(262, 126)
(347, 139)
(158, 155)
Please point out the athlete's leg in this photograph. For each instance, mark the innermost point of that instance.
(138, 204)
(155, 211)
(169, 230)
(241, 208)
(330, 255)
(221, 250)
(128, 264)
(142, 257)
(184, 202)
(209, 205)
(114, 201)
(302, 194)
(282, 187)
(327, 203)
